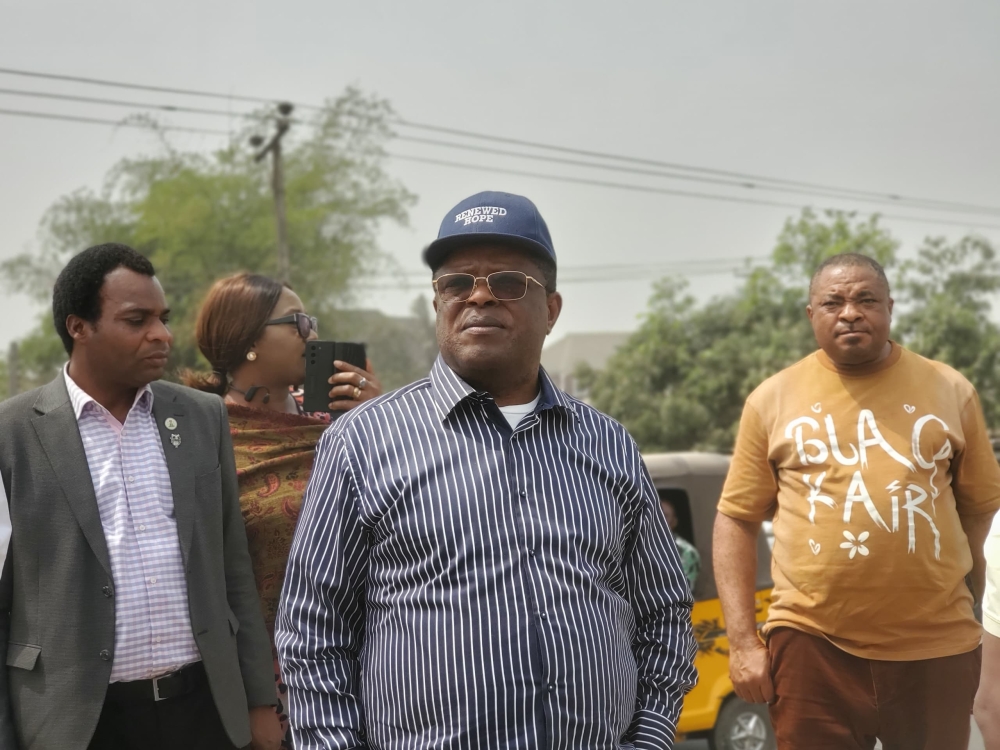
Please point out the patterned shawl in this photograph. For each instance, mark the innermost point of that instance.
(274, 457)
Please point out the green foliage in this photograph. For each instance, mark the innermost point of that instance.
(201, 216)
(680, 381)
(948, 289)
(807, 241)
(40, 356)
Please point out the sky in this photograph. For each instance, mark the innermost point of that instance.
(890, 97)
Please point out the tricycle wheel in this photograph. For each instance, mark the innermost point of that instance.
(743, 726)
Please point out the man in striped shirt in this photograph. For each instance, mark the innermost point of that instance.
(481, 561)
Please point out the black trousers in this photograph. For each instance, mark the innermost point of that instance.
(187, 722)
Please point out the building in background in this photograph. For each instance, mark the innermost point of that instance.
(561, 358)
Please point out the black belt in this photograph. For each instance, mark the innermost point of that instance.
(183, 681)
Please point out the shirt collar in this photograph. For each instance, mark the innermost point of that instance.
(450, 390)
(79, 398)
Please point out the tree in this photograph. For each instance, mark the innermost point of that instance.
(680, 381)
(947, 290)
(201, 216)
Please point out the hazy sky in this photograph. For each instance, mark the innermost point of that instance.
(889, 96)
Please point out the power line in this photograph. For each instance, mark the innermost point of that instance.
(567, 277)
(140, 86)
(124, 103)
(841, 191)
(928, 205)
(668, 191)
(499, 152)
(115, 123)
(490, 168)
(488, 150)
(603, 270)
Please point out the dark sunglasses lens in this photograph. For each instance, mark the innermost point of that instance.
(305, 325)
(508, 285)
(456, 286)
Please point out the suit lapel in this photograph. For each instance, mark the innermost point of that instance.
(59, 434)
(178, 444)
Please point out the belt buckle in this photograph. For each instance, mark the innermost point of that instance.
(156, 688)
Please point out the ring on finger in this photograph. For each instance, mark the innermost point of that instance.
(362, 383)
(357, 392)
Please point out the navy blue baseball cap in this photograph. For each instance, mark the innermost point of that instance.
(489, 216)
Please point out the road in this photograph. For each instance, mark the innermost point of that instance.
(976, 743)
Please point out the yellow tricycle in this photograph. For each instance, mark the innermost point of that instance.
(689, 485)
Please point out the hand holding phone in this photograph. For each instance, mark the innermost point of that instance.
(320, 371)
(352, 385)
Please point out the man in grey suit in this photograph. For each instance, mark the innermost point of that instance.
(129, 618)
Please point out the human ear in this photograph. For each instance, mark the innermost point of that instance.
(553, 303)
(78, 328)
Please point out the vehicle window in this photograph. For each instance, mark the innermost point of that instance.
(681, 505)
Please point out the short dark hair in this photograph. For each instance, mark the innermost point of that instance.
(78, 287)
(545, 264)
(849, 260)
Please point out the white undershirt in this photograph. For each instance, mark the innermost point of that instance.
(516, 412)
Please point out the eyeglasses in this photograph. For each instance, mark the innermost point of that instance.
(305, 324)
(505, 286)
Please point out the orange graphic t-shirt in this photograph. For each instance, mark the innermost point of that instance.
(867, 476)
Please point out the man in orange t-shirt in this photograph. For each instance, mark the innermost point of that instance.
(880, 476)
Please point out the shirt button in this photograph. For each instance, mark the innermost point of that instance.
(531, 552)
(552, 688)
(106, 591)
(544, 616)
(105, 655)
(142, 527)
(124, 432)
(156, 640)
(523, 493)
(131, 479)
(153, 579)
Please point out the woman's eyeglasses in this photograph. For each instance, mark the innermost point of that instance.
(505, 286)
(304, 324)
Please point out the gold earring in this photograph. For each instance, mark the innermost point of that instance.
(252, 356)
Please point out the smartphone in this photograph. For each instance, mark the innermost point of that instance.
(320, 356)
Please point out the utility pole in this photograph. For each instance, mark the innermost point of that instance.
(13, 369)
(283, 123)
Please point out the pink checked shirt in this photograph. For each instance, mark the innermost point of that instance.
(152, 626)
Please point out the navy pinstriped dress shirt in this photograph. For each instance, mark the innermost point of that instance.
(454, 584)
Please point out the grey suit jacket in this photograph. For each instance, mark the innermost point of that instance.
(57, 611)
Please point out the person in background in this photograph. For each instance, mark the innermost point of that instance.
(482, 561)
(988, 697)
(253, 331)
(128, 614)
(881, 478)
(690, 559)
